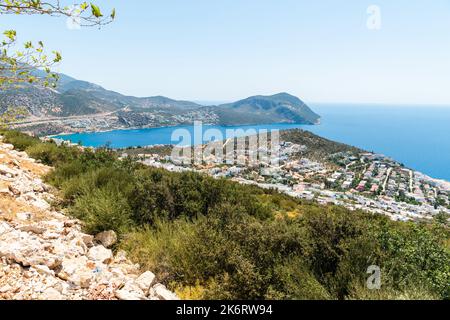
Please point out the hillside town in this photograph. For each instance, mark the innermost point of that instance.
(365, 181)
(117, 120)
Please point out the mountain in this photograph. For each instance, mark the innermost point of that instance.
(81, 99)
(278, 108)
(75, 97)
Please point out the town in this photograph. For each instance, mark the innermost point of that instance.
(365, 181)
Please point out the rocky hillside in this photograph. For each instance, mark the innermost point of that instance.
(74, 104)
(45, 255)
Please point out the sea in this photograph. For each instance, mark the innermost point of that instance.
(417, 136)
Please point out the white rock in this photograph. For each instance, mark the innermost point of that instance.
(54, 225)
(24, 216)
(5, 288)
(5, 191)
(51, 294)
(121, 256)
(26, 250)
(130, 292)
(44, 270)
(161, 292)
(145, 281)
(4, 228)
(75, 270)
(100, 253)
(4, 170)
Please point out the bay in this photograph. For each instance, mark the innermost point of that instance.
(417, 136)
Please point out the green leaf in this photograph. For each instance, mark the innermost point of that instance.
(10, 34)
(96, 11)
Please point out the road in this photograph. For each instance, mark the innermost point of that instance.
(35, 120)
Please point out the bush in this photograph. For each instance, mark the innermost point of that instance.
(21, 141)
(111, 178)
(102, 210)
(50, 154)
(164, 249)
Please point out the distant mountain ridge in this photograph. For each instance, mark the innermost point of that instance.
(74, 97)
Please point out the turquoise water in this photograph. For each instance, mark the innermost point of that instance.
(419, 137)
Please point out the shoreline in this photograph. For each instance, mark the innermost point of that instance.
(439, 181)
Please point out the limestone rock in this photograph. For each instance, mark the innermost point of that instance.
(160, 291)
(88, 240)
(130, 292)
(145, 281)
(4, 170)
(100, 253)
(107, 238)
(24, 216)
(76, 271)
(51, 294)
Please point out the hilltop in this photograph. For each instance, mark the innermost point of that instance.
(278, 108)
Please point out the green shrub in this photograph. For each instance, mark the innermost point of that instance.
(50, 154)
(294, 281)
(102, 210)
(164, 249)
(21, 141)
(111, 178)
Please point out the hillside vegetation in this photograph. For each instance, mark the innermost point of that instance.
(317, 148)
(216, 239)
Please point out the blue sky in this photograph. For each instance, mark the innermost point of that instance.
(321, 51)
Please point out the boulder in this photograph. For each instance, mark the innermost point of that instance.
(121, 256)
(43, 270)
(161, 292)
(24, 216)
(5, 191)
(24, 249)
(130, 292)
(76, 271)
(100, 253)
(107, 238)
(88, 240)
(145, 281)
(4, 228)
